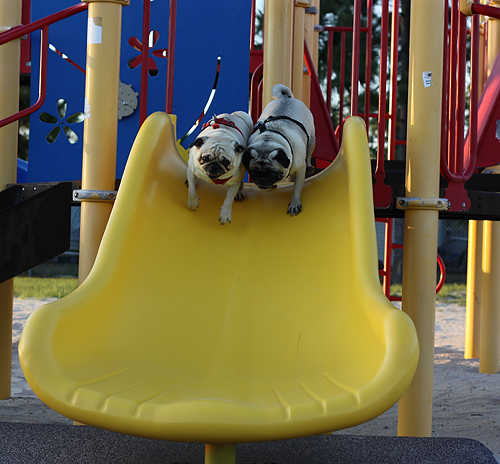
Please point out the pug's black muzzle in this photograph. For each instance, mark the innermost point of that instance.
(265, 179)
(214, 170)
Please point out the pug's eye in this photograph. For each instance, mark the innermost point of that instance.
(226, 163)
(205, 158)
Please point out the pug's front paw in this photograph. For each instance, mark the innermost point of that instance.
(294, 209)
(240, 196)
(224, 217)
(193, 203)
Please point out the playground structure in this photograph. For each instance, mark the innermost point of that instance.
(422, 182)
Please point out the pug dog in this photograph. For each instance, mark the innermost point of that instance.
(281, 144)
(215, 156)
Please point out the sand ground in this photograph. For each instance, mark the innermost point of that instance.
(466, 404)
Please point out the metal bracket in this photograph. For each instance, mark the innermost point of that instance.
(94, 195)
(312, 10)
(438, 204)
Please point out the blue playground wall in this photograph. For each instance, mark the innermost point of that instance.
(203, 33)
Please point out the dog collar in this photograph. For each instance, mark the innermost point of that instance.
(262, 127)
(215, 123)
(221, 181)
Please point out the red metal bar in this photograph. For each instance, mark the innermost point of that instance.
(382, 101)
(25, 67)
(255, 99)
(342, 86)
(442, 270)
(368, 65)
(356, 39)
(452, 97)
(329, 72)
(43, 82)
(172, 24)
(456, 171)
(394, 75)
(471, 156)
(344, 28)
(143, 106)
(18, 31)
(252, 26)
(315, 83)
(485, 10)
(458, 155)
(446, 90)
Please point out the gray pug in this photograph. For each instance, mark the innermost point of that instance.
(215, 156)
(281, 145)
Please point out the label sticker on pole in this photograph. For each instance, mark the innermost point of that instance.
(86, 109)
(94, 30)
(427, 77)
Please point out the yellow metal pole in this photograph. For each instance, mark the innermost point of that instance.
(474, 282)
(475, 255)
(311, 38)
(220, 453)
(489, 347)
(101, 123)
(278, 35)
(490, 289)
(10, 55)
(421, 225)
(298, 48)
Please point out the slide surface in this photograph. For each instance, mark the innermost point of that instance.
(270, 327)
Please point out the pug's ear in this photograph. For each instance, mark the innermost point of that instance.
(247, 157)
(282, 159)
(238, 149)
(198, 142)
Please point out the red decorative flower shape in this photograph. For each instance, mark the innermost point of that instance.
(136, 44)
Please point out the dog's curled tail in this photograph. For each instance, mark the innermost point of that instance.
(281, 91)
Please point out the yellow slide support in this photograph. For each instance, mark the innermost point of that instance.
(268, 328)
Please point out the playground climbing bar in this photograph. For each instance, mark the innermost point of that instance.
(20, 31)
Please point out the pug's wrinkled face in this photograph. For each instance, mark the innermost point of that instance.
(216, 158)
(266, 165)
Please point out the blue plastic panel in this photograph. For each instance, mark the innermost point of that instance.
(204, 32)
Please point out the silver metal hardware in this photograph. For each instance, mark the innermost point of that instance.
(94, 195)
(440, 204)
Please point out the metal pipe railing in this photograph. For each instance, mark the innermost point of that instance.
(458, 158)
(356, 42)
(20, 31)
(368, 61)
(172, 22)
(146, 21)
(315, 82)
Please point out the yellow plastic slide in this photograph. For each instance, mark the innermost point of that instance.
(271, 327)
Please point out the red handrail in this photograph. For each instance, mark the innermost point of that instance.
(356, 40)
(43, 25)
(457, 166)
(315, 82)
(172, 22)
(146, 17)
(485, 10)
